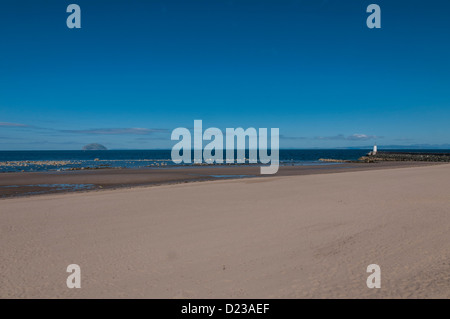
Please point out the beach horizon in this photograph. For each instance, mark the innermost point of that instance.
(226, 154)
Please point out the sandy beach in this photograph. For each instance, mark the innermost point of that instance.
(304, 236)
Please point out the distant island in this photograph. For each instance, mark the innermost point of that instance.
(94, 147)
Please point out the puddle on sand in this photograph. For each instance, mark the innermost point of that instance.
(57, 186)
(224, 176)
(231, 176)
(32, 189)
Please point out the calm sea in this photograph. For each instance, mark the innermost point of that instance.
(11, 161)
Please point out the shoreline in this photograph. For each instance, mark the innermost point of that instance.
(25, 184)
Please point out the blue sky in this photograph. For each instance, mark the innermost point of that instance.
(136, 70)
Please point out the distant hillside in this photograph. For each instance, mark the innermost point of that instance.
(94, 147)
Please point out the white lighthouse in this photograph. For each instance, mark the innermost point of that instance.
(374, 152)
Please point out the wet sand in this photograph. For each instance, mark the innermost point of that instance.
(38, 183)
(308, 236)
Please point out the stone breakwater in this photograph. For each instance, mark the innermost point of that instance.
(411, 157)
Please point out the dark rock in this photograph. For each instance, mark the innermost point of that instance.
(94, 147)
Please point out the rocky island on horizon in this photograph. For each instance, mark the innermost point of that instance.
(94, 147)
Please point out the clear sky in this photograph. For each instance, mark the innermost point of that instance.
(136, 70)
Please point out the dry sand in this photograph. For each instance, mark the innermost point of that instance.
(309, 236)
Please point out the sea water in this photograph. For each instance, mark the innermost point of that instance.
(14, 161)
